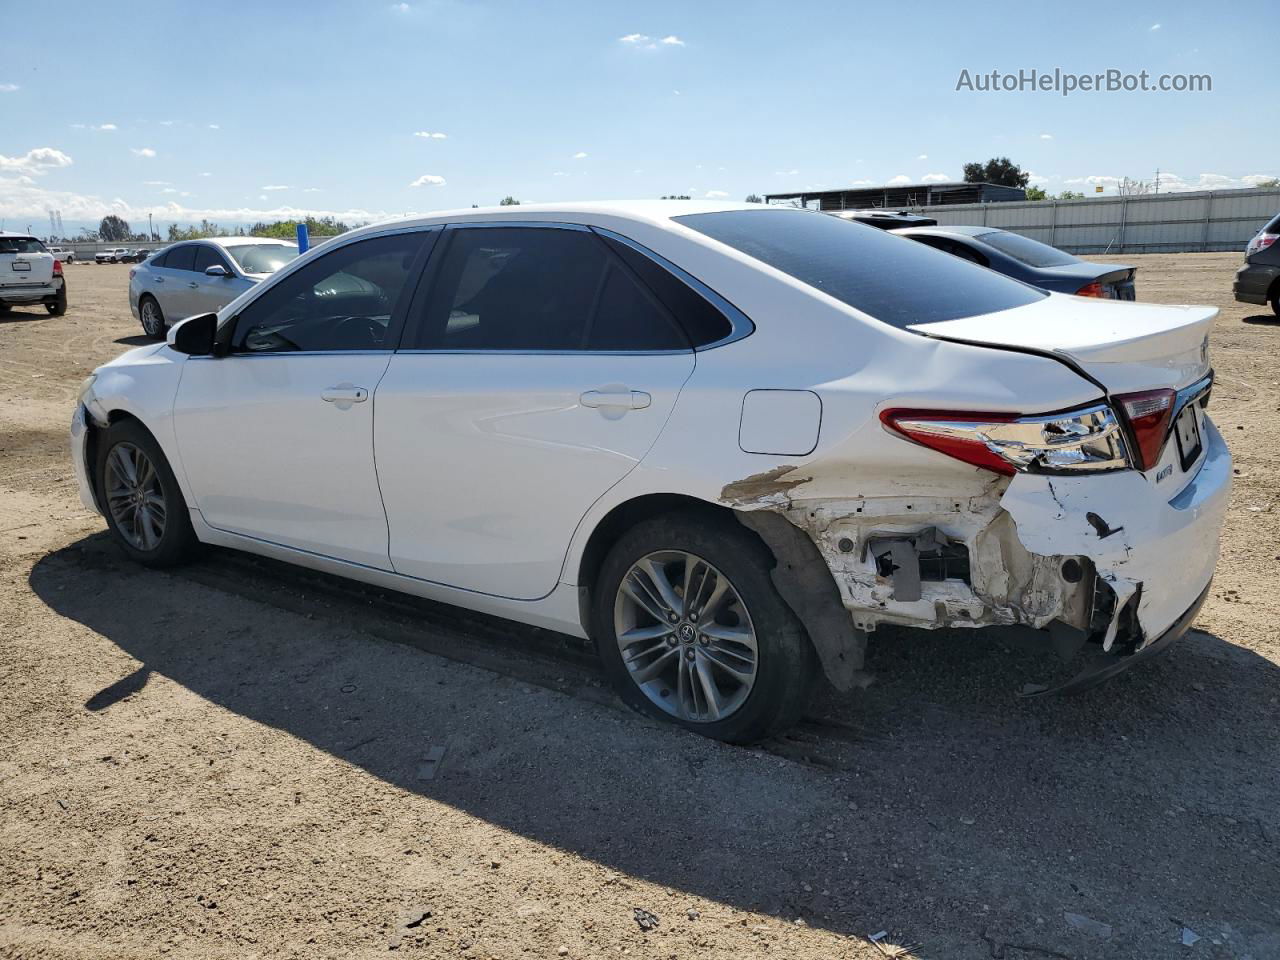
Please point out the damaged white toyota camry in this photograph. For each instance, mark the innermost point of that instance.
(726, 441)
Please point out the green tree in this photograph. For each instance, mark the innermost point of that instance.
(113, 229)
(1070, 195)
(999, 170)
(1036, 193)
(754, 198)
(508, 201)
(675, 196)
(206, 229)
(288, 229)
(1268, 184)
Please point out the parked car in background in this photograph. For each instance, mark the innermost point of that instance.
(1030, 261)
(885, 219)
(116, 255)
(30, 274)
(63, 254)
(724, 440)
(1258, 281)
(200, 276)
(140, 254)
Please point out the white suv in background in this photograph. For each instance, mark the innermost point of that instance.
(111, 256)
(30, 274)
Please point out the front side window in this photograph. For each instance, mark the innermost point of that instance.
(207, 257)
(895, 280)
(1025, 250)
(530, 289)
(344, 300)
(263, 257)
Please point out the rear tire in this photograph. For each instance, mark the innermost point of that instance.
(152, 317)
(59, 306)
(1275, 303)
(145, 509)
(705, 632)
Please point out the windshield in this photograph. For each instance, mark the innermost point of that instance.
(263, 257)
(1025, 250)
(21, 245)
(895, 280)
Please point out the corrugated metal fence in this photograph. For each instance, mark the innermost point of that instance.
(1159, 223)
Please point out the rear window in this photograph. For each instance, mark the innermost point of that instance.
(1025, 250)
(21, 245)
(1273, 226)
(891, 278)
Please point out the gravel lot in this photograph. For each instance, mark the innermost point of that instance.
(233, 760)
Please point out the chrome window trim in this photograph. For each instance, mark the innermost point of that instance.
(740, 325)
(298, 353)
(534, 224)
(552, 353)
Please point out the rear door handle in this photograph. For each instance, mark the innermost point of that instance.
(159, 279)
(624, 399)
(344, 395)
(193, 285)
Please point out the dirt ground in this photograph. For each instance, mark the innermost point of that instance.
(236, 759)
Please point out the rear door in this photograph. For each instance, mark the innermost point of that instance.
(169, 280)
(24, 263)
(535, 373)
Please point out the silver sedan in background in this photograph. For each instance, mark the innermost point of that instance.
(200, 276)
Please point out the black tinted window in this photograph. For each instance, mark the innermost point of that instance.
(888, 277)
(526, 288)
(1025, 250)
(703, 323)
(344, 300)
(21, 245)
(209, 257)
(181, 258)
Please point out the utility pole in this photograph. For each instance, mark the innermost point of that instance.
(1157, 179)
(151, 231)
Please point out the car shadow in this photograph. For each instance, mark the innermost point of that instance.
(16, 316)
(936, 801)
(137, 340)
(1264, 319)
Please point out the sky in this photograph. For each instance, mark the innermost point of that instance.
(364, 110)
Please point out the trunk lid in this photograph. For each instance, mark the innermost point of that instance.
(1123, 346)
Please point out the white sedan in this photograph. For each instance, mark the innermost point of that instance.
(725, 441)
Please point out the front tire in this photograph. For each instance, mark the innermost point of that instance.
(152, 317)
(145, 509)
(691, 629)
(1275, 303)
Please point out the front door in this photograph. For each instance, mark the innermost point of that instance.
(277, 437)
(535, 374)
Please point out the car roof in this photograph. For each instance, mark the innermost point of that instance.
(18, 236)
(232, 241)
(943, 230)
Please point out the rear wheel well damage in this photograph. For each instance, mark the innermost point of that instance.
(798, 573)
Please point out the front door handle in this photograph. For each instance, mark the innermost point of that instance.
(158, 279)
(344, 395)
(623, 399)
(193, 284)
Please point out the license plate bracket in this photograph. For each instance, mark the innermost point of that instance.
(20, 265)
(1186, 430)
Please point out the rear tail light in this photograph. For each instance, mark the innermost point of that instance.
(1088, 440)
(57, 268)
(1260, 243)
(132, 271)
(1094, 289)
(1148, 413)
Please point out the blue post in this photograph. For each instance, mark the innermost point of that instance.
(303, 241)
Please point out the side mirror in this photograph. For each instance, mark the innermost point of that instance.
(217, 270)
(195, 336)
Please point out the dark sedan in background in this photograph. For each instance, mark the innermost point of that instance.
(1258, 281)
(1029, 260)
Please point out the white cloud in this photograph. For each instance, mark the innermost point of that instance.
(312, 190)
(900, 178)
(642, 41)
(634, 39)
(559, 173)
(107, 127)
(206, 174)
(1153, 28)
(37, 161)
(428, 179)
(401, 7)
(862, 183)
(166, 123)
(142, 152)
(1046, 136)
(580, 155)
(934, 178)
(716, 195)
(1036, 179)
(214, 126)
(1254, 179)
(156, 183)
(169, 190)
(277, 186)
(9, 88)
(676, 92)
(785, 173)
(673, 41)
(428, 135)
(923, 156)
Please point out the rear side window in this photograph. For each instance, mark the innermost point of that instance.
(703, 323)
(21, 245)
(530, 289)
(891, 278)
(1025, 250)
(181, 258)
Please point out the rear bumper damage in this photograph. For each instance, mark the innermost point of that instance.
(1109, 560)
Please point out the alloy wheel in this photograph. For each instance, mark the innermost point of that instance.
(135, 497)
(685, 636)
(151, 321)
